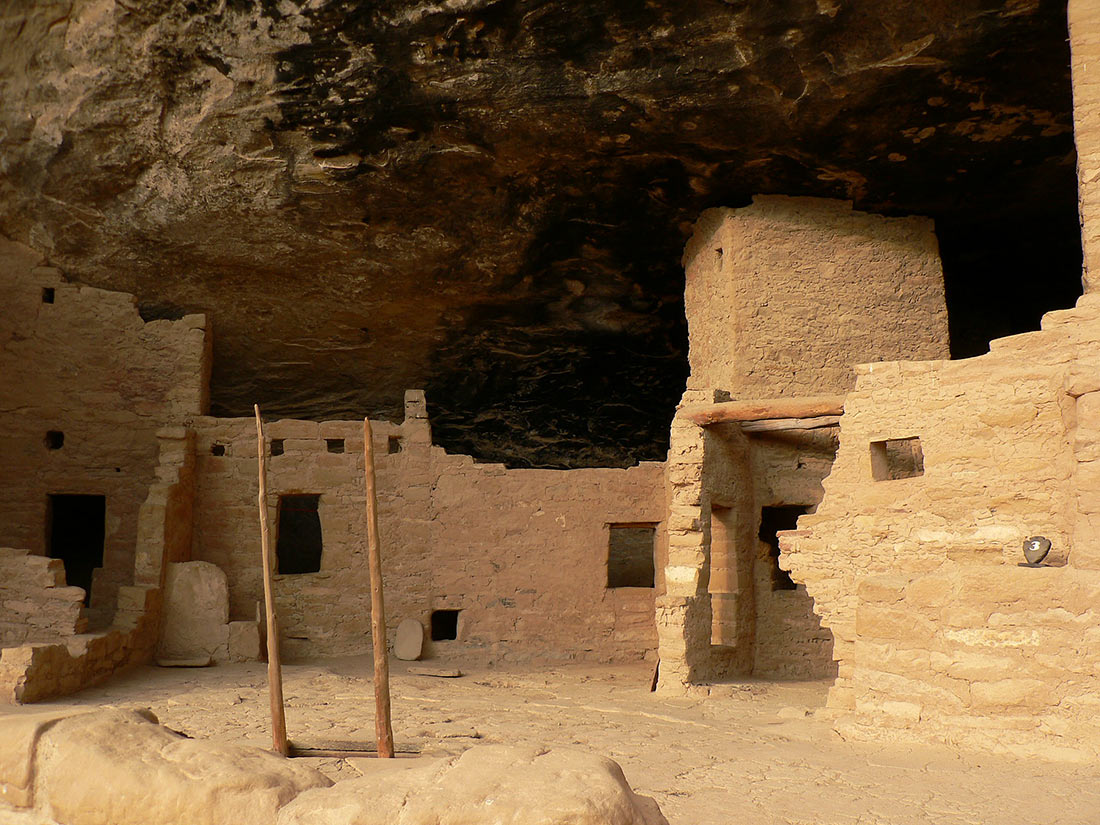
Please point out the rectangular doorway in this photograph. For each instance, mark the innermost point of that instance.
(75, 527)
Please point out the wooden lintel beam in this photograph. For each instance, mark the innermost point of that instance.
(779, 424)
(762, 409)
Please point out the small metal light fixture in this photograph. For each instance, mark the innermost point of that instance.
(1035, 550)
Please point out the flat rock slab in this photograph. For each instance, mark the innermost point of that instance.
(438, 672)
(197, 661)
(410, 640)
(490, 784)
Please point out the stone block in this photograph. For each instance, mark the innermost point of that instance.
(196, 612)
(243, 641)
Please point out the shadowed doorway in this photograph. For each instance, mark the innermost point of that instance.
(75, 525)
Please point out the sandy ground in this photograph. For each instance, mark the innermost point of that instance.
(752, 752)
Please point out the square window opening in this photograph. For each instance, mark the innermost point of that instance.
(895, 458)
(217, 449)
(773, 520)
(277, 446)
(395, 445)
(630, 549)
(55, 440)
(444, 625)
(299, 544)
(47, 295)
(334, 445)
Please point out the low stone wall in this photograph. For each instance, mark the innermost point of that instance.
(35, 604)
(34, 672)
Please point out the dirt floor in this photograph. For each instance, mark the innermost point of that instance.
(752, 752)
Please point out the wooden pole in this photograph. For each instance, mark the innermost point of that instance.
(274, 667)
(735, 411)
(382, 727)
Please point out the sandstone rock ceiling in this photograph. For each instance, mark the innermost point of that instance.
(489, 198)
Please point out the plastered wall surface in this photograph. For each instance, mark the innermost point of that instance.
(521, 554)
(88, 366)
(938, 629)
(783, 298)
(785, 295)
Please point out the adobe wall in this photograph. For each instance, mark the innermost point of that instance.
(87, 365)
(521, 553)
(785, 295)
(59, 657)
(938, 629)
(783, 298)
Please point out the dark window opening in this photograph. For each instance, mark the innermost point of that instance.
(277, 446)
(896, 458)
(75, 525)
(47, 294)
(773, 520)
(217, 449)
(55, 440)
(444, 625)
(334, 445)
(298, 547)
(394, 444)
(630, 555)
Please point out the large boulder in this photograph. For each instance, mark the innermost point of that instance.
(116, 767)
(487, 785)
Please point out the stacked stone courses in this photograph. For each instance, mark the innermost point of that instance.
(783, 298)
(522, 554)
(939, 629)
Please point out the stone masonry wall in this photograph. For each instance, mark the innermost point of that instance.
(35, 604)
(60, 658)
(783, 298)
(81, 361)
(522, 554)
(938, 629)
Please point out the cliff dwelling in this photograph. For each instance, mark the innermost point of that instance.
(707, 387)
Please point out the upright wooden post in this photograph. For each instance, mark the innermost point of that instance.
(274, 668)
(382, 726)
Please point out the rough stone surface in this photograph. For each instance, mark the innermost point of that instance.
(938, 628)
(116, 767)
(488, 784)
(195, 618)
(86, 364)
(489, 198)
(522, 554)
(409, 643)
(20, 734)
(784, 297)
(35, 603)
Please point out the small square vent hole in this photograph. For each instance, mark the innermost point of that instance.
(896, 458)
